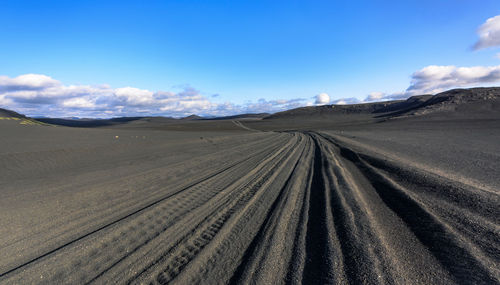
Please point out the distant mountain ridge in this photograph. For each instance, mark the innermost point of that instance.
(88, 123)
(192, 117)
(464, 100)
(137, 121)
(460, 101)
(242, 116)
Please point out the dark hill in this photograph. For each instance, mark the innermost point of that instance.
(460, 102)
(329, 110)
(122, 121)
(242, 116)
(88, 123)
(408, 104)
(467, 103)
(10, 114)
(192, 117)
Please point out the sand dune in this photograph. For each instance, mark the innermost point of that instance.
(356, 198)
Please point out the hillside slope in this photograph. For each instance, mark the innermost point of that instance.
(462, 102)
(10, 114)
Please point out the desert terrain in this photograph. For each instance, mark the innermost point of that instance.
(397, 192)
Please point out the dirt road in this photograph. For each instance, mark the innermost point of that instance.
(260, 208)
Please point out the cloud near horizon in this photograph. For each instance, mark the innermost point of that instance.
(41, 95)
(322, 99)
(434, 79)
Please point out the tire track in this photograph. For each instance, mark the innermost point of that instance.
(363, 235)
(319, 248)
(440, 238)
(299, 207)
(239, 197)
(127, 241)
(272, 231)
(174, 175)
(111, 223)
(135, 212)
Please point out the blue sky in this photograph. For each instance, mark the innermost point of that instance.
(232, 56)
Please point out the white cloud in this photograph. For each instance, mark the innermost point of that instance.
(4, 101)
(44, 96)
(375, 96)
(40, 95)
(380, 96)
(372, 97)
(344, 101)
(489, 34)
(53, 94)
(188, 101)
(80, 102)
(134, 96)
(322, 99)
(433, 79)
(26, 82)
(269, 106)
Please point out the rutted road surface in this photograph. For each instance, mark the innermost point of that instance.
(290, 207)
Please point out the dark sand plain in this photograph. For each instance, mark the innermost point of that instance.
(404, 192)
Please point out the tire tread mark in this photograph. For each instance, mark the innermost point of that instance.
(121, 218)
(427, 227)
(235, 279)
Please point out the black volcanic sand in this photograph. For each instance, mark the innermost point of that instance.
(315, 199)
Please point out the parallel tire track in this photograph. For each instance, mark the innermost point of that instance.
(137, 211)
(301, 207)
